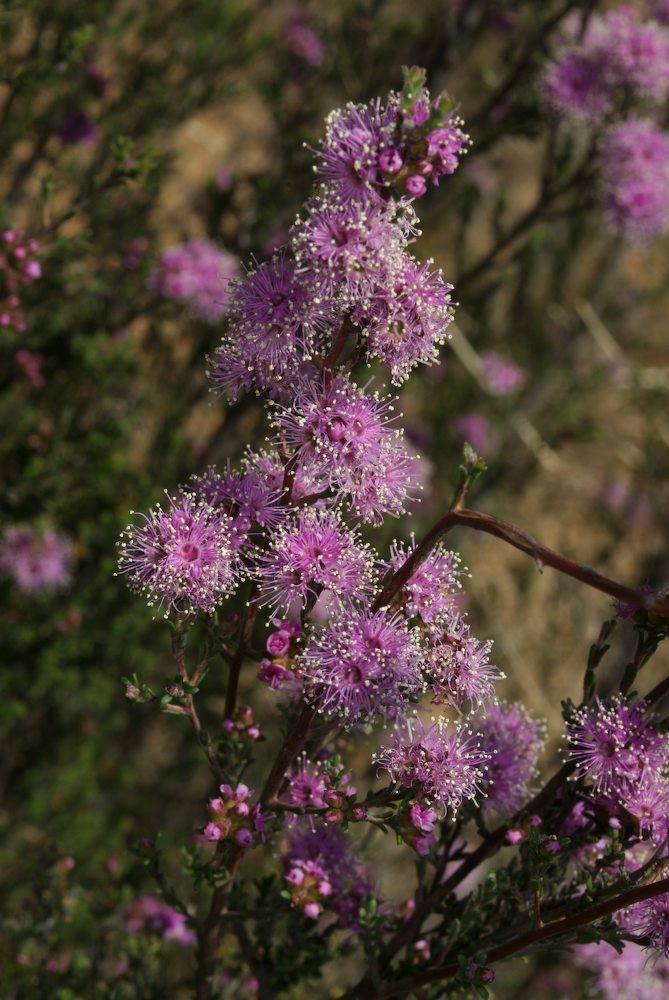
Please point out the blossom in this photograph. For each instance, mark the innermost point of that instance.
(361, 142)
(150, 914)
(246, 497)
(446, 767)
(458, 665)
(362, 665)
(182, 557)
(502, 375)
(35, 561)
(514, 740)
(276, 319)
(646, 798)
(618, 56)
(612, 742)
(341, 436)
(634, 159)
(233, 817)
(337, 862)
(407, 317)
(352, 248)
(433, 586)
(309, 551)
(649, 920)
(197, 273)
(629, 975)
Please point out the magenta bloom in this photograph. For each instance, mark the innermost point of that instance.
(634, 158)
(344, 441)
(198, 274)
(446, 768)
(647, 800)
(329, 850)
(181, 557)
(247, 498)
(351, 249)
(35, 562)
(514, 740)
(630, 975)
(313, 550)
(612, 742)
(502, 375)
(360, 141)
(276, 321)
(149, 914)
(458, 665)
(432, 588)
(649, 920)
(363, 666)
(619, 56)
(407, 318)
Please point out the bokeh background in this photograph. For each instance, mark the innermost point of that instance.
(128, 129)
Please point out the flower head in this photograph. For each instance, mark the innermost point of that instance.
(182, 557)
(313, 549)
(35, 561)
(459, 667)
(514, 741)
(612, 742)
(634, 157)
(362, 665)
(433, 587)
(197, 273)
(446, 767)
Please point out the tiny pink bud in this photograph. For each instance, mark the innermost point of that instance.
(312, 910)
(514, 836)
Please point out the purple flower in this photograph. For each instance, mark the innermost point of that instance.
(246, 497)
(630, 975)
(514, 740)
(362, 666)
(310, 551)
(351, 249)
(76, 127)
(360, 143)
(149, 914)
(407, 318)
(649, 920)
(446, 768)
(307, 786)
(432, 588)
(276, 320)
(197, 273)
(618, 56)
(647, 800)
(634, 159)
(502, 375)
(304, 42)
(330, 850)
(660, 10)
(35, 561)
(612, 742)
(232, 816)
(182, 557)
(458, 665)
(343, 440)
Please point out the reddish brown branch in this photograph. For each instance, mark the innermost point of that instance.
(522, 943)
(509, 533)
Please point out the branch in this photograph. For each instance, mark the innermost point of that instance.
(522, 943)
(519, 539)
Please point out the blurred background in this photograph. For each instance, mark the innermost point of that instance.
(149, 150)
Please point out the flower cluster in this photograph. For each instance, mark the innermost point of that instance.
(149, 915)
(611, 74)
(197, 273)
(19, 266)
(634, 155)
(233, 817)
(619, 58)
(35, 561)
(330, 861)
